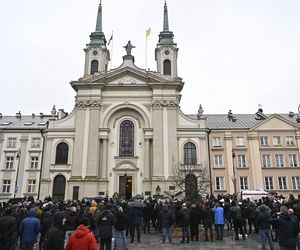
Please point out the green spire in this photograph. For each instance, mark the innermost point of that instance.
(166, 36)
(166, 22)
(98, 36)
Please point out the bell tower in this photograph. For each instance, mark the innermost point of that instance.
(96, 52)
(166, 51)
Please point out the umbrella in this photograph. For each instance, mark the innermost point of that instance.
(136, 204)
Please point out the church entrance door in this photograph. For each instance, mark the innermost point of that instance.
(59, 187)
(125, 187)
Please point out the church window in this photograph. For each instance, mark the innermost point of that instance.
(167, 67)
(126, 138)
(94, 66)
(62, 151)
(190, 153)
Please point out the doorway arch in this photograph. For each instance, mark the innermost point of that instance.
(59, 188)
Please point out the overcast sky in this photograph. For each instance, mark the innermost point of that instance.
(233, 54)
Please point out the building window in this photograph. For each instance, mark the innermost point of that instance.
(31, 186)
(9, 163)
(279, 161)
(282, 183)
(290, 140)
(217, 142)
(264, 141)
(190, 153)
(12, 142)
(62, 152)
(167, 67)
(218, 161)
(276, 140)
(36, 142)
(269, 185)
(244, 183)
(293, 160)
(34, 162)
(241, 161)
(94, 66)
(296, 182)
(6, 186)
(126, 138)
(266, 161)
(220, 183)
(240, 141)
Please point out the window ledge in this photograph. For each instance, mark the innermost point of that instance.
(32, 169)
(218, 167)
(221, 191)
(7, 170)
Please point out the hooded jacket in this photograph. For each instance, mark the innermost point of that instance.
(29, 228)
(82, 238)
(287, 230)
(56, 233)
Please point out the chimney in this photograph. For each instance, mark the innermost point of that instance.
(18, 115)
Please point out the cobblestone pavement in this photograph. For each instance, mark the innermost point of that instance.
(153, 241)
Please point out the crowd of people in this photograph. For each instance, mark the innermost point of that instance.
(83, 225)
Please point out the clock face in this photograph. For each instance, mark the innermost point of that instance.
(95, 52)
(167, 52)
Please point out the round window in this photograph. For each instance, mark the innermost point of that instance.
(95, 52)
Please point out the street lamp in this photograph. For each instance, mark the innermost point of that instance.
(234, 178)
(18, 156)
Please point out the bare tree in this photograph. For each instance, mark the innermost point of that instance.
(192, 179)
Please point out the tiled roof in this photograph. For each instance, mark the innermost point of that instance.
(242, 121)
(23, 122)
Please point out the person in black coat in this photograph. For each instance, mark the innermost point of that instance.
(121, 224)
(166, 220)
(105, 224)
(8, 230)
(287, 229)
(55, 236)
(136, 218)
(184, 223)
(194, 222)
(72, 222)
(263, 222)
(147, 213)
(207, 216)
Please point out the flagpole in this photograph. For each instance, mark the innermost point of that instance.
(112, 43)
(146, 53)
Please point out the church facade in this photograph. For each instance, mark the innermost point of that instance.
(126, 131)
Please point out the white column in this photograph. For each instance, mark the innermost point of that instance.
(147, 160)
(104, 158)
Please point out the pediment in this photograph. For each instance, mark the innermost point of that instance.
(128, 76)
(275, 122)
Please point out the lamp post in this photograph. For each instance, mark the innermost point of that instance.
(234, 179)
(18, 156)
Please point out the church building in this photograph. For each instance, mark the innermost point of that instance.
(126, 131)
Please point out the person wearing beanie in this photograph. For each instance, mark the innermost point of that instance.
(82, 238)
(8, 230)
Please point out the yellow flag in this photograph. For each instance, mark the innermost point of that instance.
(148, 31)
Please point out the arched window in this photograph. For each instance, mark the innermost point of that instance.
(167, 67)
(62, 151)
(94, 66)
(190, 153)
(126, 138)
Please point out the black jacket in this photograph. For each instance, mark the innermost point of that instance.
(56, 234)
(165, 218)
(72, 221)
(287, 230)
(105, 223)
(121, 221)
(263, 219)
